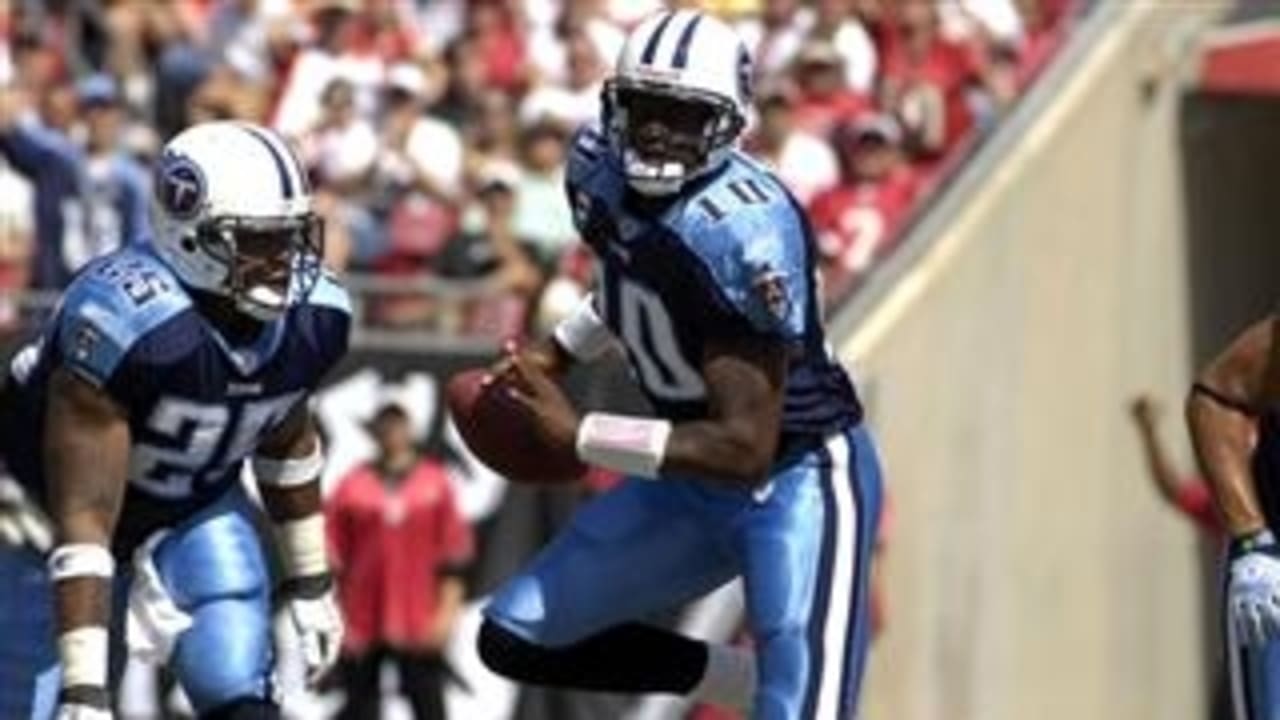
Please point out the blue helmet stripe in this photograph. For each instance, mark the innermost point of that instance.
(686, 41)
(286, 183)
(651, 47)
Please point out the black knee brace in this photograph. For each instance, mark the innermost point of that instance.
(627, 658)
(244, 709)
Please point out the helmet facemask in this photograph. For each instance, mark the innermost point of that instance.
(269, 262)
(667, 135)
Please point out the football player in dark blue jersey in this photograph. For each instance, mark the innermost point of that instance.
(755, 463)
(167, 366)
(1233, 413)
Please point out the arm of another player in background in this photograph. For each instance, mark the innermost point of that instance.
(1166, 478)
(1222, 424)
(745, 380)
(86, 456)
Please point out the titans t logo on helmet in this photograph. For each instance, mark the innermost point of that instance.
(180, 186)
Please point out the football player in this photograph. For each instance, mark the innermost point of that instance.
(1233, 412)
(755, 463)
(165, 368)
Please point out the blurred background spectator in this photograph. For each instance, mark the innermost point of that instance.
(399, 547)
(407, 112)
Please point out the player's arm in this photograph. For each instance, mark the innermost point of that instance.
(1160, 465)
(287, 466)
(86, 455)
(1221, 415)
(735, 443)
(580, 337)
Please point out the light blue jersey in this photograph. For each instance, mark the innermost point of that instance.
(197, 408)
(730, 256)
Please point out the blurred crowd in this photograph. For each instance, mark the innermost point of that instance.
(435, 131)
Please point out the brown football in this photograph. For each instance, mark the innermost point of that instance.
(501, 433)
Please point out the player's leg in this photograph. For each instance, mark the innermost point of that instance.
(214, 570)
(1254, 675)
(568, 619)
(806, 556)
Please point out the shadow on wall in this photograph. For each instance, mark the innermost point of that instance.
(1231, 166)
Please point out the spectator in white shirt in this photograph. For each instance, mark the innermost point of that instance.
(805, 163)
(578, 100)
(836, 22)
(775, 36)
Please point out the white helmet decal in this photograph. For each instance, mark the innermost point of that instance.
(180, 186)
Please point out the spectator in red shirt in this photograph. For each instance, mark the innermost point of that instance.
(399, 546)
(927, 80)
(856, 220)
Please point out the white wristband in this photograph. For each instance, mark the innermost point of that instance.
(80, 560)
(289, 472)
(303, 546)
(583, 334)
(624, 443)
(83, 653)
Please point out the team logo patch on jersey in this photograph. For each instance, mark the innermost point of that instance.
(771, 287)
(180, 186)
(86, 341)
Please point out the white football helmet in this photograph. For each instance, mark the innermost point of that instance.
(232, 213)
(678, 99)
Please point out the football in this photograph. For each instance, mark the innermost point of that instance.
(500, 432)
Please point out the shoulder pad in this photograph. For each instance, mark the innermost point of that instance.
(588, 149)
(111, 305)
(750, 235)
(329, 292)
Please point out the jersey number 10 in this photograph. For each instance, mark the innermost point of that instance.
(651, 340)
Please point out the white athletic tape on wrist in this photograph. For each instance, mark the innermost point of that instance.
(83, 653)
(583, 333)
(303, 546)
(75, 560)
(289, 472)
(624, 443)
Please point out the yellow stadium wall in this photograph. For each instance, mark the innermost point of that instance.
(1032, 572)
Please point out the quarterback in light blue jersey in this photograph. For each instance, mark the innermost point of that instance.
(167, 366)
(754, 464)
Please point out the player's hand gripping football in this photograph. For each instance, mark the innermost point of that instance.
(553, 415)
(541, 354)
(1253, 590)
(318, 623)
